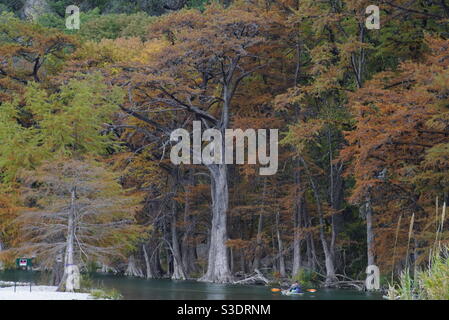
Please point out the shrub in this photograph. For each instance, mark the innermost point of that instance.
(108, 294)
(306, 278)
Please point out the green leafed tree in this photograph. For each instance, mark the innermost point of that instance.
(68, 122)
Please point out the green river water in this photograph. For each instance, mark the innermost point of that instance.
(164, 289)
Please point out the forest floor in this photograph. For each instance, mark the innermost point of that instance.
(40, 293)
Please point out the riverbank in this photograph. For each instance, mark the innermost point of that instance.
(40, 293)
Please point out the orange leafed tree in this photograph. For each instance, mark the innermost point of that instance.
(399, 150)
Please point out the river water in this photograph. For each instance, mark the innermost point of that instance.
(164, 289)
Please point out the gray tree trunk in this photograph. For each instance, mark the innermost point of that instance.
(311, 253)
(258, 251)
(257, 254)
(148, 269)
(218, 264)
(178, 270)
(336, 196)
(328, 253)
(133, 270)
(187, 249)
(70, 245)
(297, 258)
(280, 248)
(1, 248)
(369, 232)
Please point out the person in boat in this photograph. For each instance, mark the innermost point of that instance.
(295, 288)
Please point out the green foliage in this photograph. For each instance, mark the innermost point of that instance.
(96, 27)
(306, 278)
(11, 5)
(86, 282)
(92, 266)
(197, 4)
(434, 282)
(106, 294)
(68, 122)
(430, 284)
(153, 7)
(405, 289)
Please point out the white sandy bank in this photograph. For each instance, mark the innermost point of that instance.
(40, 293)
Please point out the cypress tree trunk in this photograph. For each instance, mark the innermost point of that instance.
(69, 267)
(1, 248)
(133, 270)
(187, 248)
(218, 264)
(280, 248)
(178, 270)
(148, 269)
(258, 252)
(369, 232)
(328, 251)
(297, 258)
(311, 253)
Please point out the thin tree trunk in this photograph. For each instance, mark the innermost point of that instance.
(187, 250)
(328, 254)
(369, 232)
(297, 258)
(66, 284)
(158, 263)
(311, 253)
(1, 248)
(258, 252)
(178, 270)
(231, 254)
(335, 192)
(280, 248)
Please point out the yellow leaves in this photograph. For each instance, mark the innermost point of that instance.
(293, 96)
(109, 51)
(152, 51)
(322, 54)
(327, 80)
(349, 47)
(303, 133)
(437, 157)
(325, 69)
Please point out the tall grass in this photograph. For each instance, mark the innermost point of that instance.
(430, 284)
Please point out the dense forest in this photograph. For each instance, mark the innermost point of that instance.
(86, 117)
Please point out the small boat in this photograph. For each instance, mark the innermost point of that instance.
(290, 293)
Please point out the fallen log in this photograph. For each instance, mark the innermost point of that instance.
(357, 284)
(256, 277)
